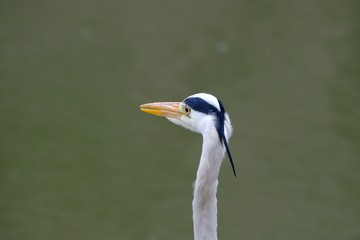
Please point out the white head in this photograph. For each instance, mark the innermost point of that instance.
(199, 113)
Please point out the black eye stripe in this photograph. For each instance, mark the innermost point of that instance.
(200, 105)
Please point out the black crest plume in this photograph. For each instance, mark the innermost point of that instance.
(220, 129)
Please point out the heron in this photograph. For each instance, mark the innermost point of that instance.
(205, 114)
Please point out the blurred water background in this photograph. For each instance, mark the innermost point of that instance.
(78, 160)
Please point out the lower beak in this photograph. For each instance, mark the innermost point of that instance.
(163, 109)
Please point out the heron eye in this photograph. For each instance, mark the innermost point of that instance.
(187, 110)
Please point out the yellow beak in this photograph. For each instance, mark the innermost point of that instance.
(163, 109)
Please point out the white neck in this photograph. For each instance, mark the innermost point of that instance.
(205, 187)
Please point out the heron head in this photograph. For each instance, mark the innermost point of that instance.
(201, 112)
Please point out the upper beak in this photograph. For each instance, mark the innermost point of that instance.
(163, 109)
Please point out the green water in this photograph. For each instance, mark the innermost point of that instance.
(78, 160)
